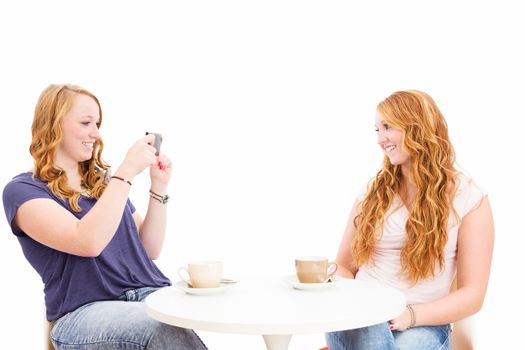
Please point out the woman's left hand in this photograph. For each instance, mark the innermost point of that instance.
(160, 173)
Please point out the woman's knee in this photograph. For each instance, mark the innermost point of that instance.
(424, 338)
(170, 337)
(376, 336)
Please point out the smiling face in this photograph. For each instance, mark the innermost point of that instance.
(79, 131)
(390, 140)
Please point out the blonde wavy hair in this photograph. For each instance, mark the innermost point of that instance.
(432, 158)
(53, 104)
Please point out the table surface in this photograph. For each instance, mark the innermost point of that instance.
(273, 306)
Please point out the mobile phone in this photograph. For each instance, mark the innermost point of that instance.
(158, 141)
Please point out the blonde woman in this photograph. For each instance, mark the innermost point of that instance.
(82, 235)
(420, 224)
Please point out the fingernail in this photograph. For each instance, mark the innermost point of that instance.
(391, 327)
(161, 165)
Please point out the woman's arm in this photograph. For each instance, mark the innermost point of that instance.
(153, 229)
(344, 260)
(475, 244)
(49, 223)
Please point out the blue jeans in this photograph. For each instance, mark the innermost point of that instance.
(120, 324)
(380, 337)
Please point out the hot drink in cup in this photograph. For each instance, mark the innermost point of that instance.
(314, 269)
(202, 274)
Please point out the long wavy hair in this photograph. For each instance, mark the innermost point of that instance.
(53, 104)
(432, 160)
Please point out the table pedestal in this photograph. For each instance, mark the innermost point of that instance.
(277, 342)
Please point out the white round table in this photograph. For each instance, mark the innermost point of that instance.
(273, 308)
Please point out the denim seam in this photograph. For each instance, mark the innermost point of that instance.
(139, 345)
(445, 343)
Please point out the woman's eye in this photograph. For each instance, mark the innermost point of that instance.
(386, 126)
(376, 129)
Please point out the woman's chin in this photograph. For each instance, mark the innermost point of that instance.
(396, 162)
(84, 158)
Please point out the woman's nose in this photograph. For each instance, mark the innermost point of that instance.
(94, 133)
(381, 137)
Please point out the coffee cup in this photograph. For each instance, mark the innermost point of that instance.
(202, 274)
(314, 269)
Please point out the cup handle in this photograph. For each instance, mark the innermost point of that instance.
(185, 276)
(332, 268)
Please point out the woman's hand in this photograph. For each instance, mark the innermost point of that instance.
(139, 156)
(160, 174)
(401, 322)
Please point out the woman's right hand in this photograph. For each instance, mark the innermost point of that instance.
(139, 156)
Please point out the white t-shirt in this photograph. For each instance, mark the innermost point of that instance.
(386, 264)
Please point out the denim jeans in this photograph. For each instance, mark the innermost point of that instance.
(120, 324)
(380, 337)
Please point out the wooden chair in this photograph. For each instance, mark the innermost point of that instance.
(48, 326)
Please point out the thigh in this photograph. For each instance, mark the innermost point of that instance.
(108, 325)
(424, 338)
(376, 337)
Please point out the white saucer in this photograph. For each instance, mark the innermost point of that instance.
(294, 282)
(203, 291)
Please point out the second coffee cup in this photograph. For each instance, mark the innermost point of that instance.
(202, 274)
(314, 269)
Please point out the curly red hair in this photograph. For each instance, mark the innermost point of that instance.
(427, 142)
(55, 102)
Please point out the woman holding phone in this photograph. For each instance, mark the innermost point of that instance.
(82, 234)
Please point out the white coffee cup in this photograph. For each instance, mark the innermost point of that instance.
(202, 274)
(314, 269)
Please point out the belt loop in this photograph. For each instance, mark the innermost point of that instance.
(131, 295)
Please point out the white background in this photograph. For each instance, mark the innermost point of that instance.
(267, 111)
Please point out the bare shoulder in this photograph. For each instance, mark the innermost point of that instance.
(477, 226)
(480, 211)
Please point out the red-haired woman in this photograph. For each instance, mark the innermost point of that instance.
(81, 233)
(419, 225)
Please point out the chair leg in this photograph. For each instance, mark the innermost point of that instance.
(48, 328)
